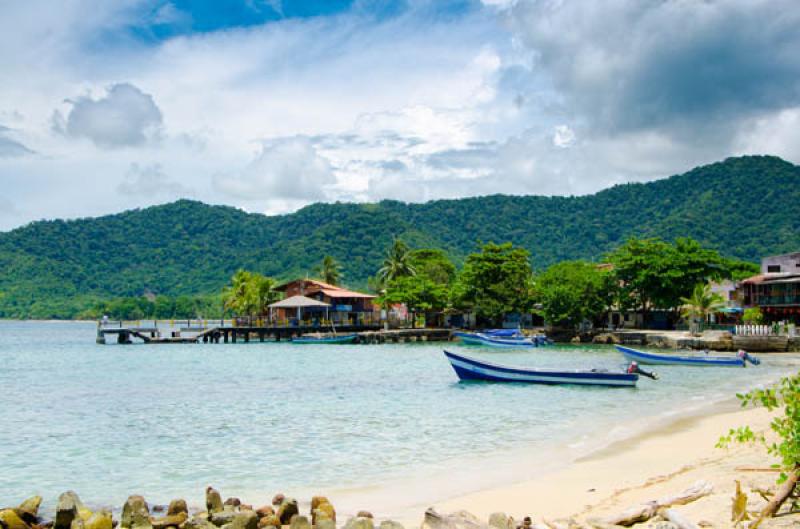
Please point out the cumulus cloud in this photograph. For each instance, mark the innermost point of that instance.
(633, 64)
(150, 180)
(9, 147)
(124, 117)
(285, 168)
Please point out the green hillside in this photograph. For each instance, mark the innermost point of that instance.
(744, 207)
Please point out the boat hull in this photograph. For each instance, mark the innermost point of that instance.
(348, 338)
(662, 359)
(491, 341)
(468, 369)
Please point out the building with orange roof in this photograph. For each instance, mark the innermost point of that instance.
(345, 306)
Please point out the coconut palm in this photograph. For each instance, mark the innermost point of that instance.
(397, 263)
(330, 271)
(697, 307)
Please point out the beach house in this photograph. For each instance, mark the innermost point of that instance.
(776, 289)
(331, 302)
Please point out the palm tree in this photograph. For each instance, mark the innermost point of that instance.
(397, 263)
(330, 271)
(701, 304)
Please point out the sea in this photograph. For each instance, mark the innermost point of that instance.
(380, 427)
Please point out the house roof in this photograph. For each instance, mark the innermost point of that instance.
(329, 290)
(295, 302)
(775, 277)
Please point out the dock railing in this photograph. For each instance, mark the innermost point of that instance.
(777, 329)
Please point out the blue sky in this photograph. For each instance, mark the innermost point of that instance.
(271, 105)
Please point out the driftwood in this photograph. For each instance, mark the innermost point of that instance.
(739, 507)
(781, 495)
(645, 511)
(678, 519)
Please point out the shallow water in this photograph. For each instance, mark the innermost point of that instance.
(252, 419)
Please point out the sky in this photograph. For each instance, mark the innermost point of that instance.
(270, 105)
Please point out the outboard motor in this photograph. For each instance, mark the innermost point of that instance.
(634, 368)
(744, 355)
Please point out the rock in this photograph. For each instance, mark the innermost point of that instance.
(391, 524)
(364, 514)
(360, 522)
(500, 520)
(66, 510)
(317, 500)
(170, 520)
(300, 522)
(246, 507)
(269, 521)
(135, 513)
(28, 510)
(9, 519)
(199, 522)
(223, 518)
(233, 501)
(177, 506)
(325, 509)
(99, 520)
(265, 510)
(663, 525)
(575, 339)
(78, 523)
(244, 520)
(608, 338)
(213, 500)
(278, 499)
(455, 520)
(325, 524)
(286, 510)
(158, 508)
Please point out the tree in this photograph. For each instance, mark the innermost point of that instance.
(330, 270)
(574, 291)
(397, 263)
(753, 316)
(495, 282)
(250, 294)
(784, 396)
(428, 290)
(656, 274)
(702, 303)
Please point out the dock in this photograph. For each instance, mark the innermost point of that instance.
(230, 331)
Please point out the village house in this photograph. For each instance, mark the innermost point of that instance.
(776, 290)
(316, 301)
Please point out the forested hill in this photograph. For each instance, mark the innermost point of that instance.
(744, 207)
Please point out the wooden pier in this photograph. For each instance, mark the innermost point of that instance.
(214, 332)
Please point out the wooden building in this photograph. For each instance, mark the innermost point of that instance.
(343, 306)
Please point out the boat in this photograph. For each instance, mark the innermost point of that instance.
(471, 369)
(480, 338)
(740, 360)
(341, 338)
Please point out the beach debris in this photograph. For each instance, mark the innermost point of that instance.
(213, 500)
(236, 502)
(739, 512)
(264, 511)
(322, 511)
(170, 520)
(678, 520)
(278, 499)
(244, 520)
(270, 520)
(364, 514)
(66, 510)
(177, 506)
(645, 511)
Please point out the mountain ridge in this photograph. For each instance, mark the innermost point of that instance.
(744, 207)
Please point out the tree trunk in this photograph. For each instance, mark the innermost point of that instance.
(782, 494)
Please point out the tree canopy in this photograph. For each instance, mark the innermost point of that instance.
(574, 291)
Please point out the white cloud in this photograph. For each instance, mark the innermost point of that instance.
(124, 117)
(10, 147)
(150, 180)
(288, 168)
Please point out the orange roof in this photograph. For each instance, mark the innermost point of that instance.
(329, 290)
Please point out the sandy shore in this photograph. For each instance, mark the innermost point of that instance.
(666, 460)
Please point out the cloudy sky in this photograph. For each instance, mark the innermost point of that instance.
(269, 105)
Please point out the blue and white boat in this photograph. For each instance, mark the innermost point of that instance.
(341, 338)
(470, 369)
(642, 357)
(493, 340)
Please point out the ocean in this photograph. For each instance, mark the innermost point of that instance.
(388, 425)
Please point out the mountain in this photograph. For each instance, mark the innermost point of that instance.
(744, 207)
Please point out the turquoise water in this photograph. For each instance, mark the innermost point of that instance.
(252, 419)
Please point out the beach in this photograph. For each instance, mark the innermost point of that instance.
(663, 461)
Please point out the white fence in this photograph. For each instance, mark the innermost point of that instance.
(778, 329)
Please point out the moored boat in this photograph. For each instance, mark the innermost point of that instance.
(341, 338)
(479, 338)
(740, 360)
(467, 369)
